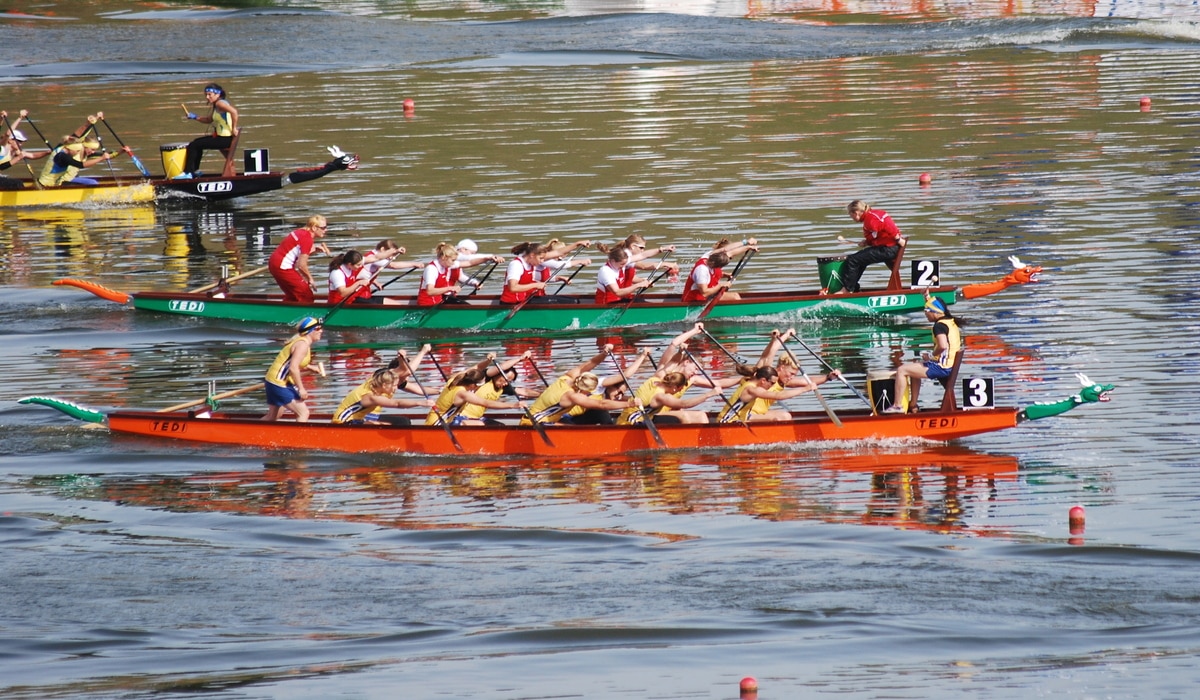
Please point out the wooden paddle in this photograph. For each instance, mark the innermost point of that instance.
(816, 392)
(540, 428)
(137, 162)
(647, 418)
(737, 269)
(214, 397)
(849, 386)
(230, 280)
(441, 418)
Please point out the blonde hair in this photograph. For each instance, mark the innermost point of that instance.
(447, 251)
(316, 220)
(858, 207)
(586, 382)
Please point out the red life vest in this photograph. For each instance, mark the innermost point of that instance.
(363, 292)
(528, 276)
(446, 278)
(689, 291)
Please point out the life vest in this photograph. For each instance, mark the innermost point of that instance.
(222, 123)
(529, 275)
(546, 408)
(54, 173)
(953, 341)
(446, 277)
(624, 278)
(336, 297)
(690, 293)
(351, 408)
(279, 373)
(445, 406)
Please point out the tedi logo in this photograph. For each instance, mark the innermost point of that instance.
(214, 187)
(186, 307)
(887, 302)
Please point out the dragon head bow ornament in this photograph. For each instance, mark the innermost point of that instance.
(1091, 393)
(1021, 274)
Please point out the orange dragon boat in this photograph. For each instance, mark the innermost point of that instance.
(211, 426)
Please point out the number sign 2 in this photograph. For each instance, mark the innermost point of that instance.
(925, 274)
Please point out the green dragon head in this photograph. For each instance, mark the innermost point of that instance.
(1093, 392)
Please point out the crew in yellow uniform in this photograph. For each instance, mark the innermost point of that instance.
(364, 403)
(575, 389)
(659, 394)
(283, 381)
(459, 393)
(760, 385)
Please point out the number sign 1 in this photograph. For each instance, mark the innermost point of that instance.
(925, 274)
(978, 392)
(256, 162)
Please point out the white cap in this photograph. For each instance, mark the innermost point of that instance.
(467, 245)
(18, 135)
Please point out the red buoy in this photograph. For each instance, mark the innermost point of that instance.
(925, 179)
(1145, 104)
(749, 683)
(409, 107)
(1075, 520)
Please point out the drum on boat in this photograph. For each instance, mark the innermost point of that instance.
(173, 156)
(829, 270)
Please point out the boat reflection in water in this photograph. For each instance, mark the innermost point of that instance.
(937, 488)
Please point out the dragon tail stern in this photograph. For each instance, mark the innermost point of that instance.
(97, 289)
(70, 408)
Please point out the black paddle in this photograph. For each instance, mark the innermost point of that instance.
(540, 428)
(636, 295)
(441, 418)
(385, 285)
(538, 372)
(136, 161)
(482, 279)
(736, 358)
(38, 132)
(849, 386)
(732, 276)
(816, 392)
(716, 386)
(647, 418)
(350, 296)
(569, 277)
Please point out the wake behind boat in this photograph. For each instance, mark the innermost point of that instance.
(486, 313)
(950, 422)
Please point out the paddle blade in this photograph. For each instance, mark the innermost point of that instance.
(137, 162)
(97, 289)
(73, 410)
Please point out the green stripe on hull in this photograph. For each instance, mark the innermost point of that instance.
(533, 317)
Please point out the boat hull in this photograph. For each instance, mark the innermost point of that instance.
(487, 314)
(568, 441)
(105, 195)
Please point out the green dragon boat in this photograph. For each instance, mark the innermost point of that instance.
(486, 313)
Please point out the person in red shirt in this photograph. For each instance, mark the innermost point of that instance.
(881, 243)
(706, 278)
(289, 262)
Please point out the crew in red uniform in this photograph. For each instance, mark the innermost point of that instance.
(289, 262)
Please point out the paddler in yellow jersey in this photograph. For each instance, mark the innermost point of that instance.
(761, 385)
(461, 391)
(365, 402)
(224, 119)
(498, 384)
(575, 389)
(76, 152)
(947, 342)
(659, 393)
(284, 381)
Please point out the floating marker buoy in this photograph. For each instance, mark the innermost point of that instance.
(1145, 104)
(749, 683)
(1075, 520)
(925, 179)
(409, 107)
